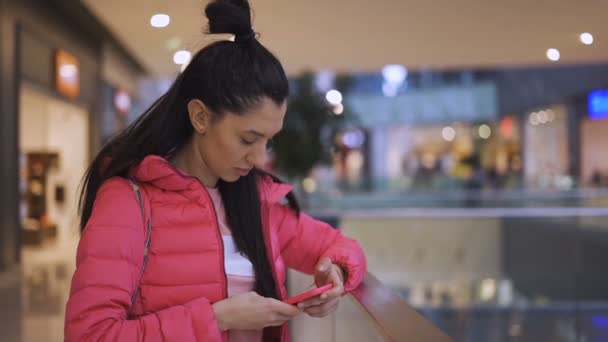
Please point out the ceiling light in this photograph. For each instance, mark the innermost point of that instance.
(534, 119)
(182, 57)
(543, 118)
(484, 131)
(160, 20)
(394, 73)
(448, 133)
(553, 55)
(586, 38)
(334, 97)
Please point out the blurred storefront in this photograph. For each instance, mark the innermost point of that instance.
(66, 85)
(459, 155)
(594, 125)
(426, 138)
(54, 152)
(518, 128)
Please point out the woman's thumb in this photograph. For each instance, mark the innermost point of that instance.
(324, 265)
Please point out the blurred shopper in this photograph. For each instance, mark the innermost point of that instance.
(204, 258)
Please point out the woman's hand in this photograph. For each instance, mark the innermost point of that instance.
(326, 303)
(250, 311)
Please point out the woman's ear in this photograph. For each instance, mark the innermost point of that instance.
(200, 118)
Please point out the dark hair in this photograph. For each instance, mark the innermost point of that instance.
(226, 76)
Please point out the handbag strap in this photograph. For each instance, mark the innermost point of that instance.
(148, 226)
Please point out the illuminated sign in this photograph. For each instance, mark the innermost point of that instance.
(67, 74)
(598, 104)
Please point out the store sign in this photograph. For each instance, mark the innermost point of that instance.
(442, 105)
(67, 74)
(598, 104)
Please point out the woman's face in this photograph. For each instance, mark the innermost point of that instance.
(231, 146)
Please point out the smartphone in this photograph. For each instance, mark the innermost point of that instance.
(307, 295)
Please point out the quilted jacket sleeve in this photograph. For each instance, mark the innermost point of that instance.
(304, 241)
(108, 266)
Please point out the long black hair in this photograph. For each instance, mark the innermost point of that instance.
(227, 76)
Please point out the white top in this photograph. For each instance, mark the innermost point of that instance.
(234, 262)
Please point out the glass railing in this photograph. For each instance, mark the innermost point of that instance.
(521, 198)
(441, 182)
(372, 312)
(493, 275)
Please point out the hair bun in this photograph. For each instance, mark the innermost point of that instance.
(229, 16)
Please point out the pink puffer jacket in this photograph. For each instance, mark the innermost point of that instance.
(184, 274)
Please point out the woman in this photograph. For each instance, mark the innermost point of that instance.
(221, 235)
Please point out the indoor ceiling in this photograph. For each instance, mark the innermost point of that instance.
(364, 35)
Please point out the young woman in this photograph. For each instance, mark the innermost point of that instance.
(207, 261)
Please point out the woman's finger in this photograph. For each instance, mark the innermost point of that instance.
(279, 320)
(338, 288)
(323, 306)
(323, 310)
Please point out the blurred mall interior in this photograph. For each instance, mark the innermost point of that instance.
(460, 142)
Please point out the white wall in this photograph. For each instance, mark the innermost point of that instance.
(49, 124)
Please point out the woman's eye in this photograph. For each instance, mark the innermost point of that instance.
(247, 142)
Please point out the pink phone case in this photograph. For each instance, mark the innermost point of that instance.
(306, 295)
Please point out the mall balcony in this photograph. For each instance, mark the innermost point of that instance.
(462, 147)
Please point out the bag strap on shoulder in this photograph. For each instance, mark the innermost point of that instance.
(148, 229)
